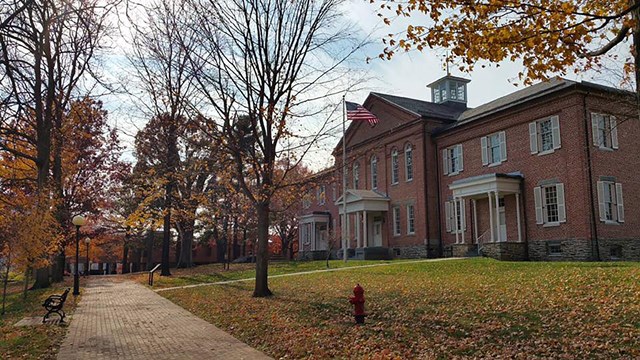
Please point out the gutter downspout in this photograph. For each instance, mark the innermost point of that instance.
(426, 182)
(440, 249)
(595, 246)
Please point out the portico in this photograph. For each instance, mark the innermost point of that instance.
(366, 210)
(496, 214)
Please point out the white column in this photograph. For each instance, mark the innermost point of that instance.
(475, 219)
(463, 219)
(358, 225)
(313, 236)
(518, 217)
(491, 217)
(348, 232)
(498, 217)
(455, 218)
(365, 228)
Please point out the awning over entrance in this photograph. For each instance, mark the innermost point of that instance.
(363, 200)
(480, 186)
(314, 217)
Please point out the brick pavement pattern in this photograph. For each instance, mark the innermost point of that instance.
(125, 320)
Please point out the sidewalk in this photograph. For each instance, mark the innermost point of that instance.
(125, 320)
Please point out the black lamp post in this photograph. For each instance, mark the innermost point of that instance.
(78, 221)
(87, 242)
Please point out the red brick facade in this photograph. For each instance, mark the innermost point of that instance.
(549, 228)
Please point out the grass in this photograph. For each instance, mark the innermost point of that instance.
(460, 308)
(215, 272)
(31, 342)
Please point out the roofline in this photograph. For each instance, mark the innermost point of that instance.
(457, 78)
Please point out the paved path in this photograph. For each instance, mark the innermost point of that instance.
(125, 320)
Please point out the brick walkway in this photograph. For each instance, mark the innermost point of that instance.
(125, 320)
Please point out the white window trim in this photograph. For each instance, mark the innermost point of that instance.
(408, 149)
(409, 232)
(540, 204)
(447, 160)
(613, 131)
(374, 175)
(535, 142)
(619, 203)
(485, 144)
(395, 170)
(396, 225)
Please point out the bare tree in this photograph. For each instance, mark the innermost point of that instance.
(160, 62)
(272, 62)
(47, 49)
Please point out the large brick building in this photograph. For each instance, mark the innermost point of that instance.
(543, 173)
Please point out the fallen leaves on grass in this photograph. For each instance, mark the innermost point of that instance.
(456, 309)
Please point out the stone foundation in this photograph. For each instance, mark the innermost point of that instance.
(507, 251)
(462, 250)
(312, 255)
(570, 250)
(619, 249)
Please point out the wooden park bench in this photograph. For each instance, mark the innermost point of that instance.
(54, 304)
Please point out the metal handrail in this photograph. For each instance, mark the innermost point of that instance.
(151, 274)
(479, 241)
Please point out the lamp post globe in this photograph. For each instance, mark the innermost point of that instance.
(87, 242)
(78, 221)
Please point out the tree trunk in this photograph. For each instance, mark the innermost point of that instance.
(125, 259)
(42, 278)
(262, 253)
(26, 283)
(58, 268)
(5, 281)
(186, 250)
(166, 241)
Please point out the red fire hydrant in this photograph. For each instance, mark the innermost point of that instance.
(358, 304)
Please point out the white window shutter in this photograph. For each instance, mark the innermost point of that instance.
(614, 132)
(562, 209)
(445, 161)
(620, 202)
(601, 200)
(460, 160)
(594, 128)
(503, 146)
(533, 137)
(447, 210)
(483, 146)
(555, 132)
(537, 198)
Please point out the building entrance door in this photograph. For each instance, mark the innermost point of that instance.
(377, 233)
(502, 221)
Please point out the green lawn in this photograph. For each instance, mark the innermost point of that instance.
(458, 308)
(31, 342)
(215, 272)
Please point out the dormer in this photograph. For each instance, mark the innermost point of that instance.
(449, 90)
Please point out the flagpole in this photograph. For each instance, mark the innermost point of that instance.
(345, 225)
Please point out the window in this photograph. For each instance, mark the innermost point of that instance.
(396, 221)
(494, 148)
(605, 131)
(455, 216)
(321, 194)
(334, 192)
(374, 172)
(615, 252)
(550, 205)
(408, 162)
(610, 202)
(356, 175)
(554, 248)
(452, 160)
(544, 135)
(461, 91)
(436, 96)
(306, 200)
(411, 225)
(395, 166)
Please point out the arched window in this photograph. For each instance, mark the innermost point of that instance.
(408, 162)
(395, 166)
(356, 175)
(374, 172)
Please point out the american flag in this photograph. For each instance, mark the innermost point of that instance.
(357, 112)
